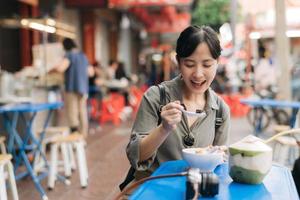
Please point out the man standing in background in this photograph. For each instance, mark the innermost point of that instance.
(75, 67)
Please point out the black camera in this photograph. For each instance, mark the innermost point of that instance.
(198, 183)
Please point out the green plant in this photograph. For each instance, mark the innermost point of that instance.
(211, 12)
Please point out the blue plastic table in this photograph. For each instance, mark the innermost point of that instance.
(28, 144)
(277, 185)
(257, 103)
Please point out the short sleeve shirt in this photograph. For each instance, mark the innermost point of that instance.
(76, 76)
(203, 128)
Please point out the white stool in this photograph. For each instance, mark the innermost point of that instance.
(66, 150)
(76, 140)
(6, 167)
(285, 147)
(2, 145)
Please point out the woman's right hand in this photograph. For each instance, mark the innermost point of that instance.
(171, 115)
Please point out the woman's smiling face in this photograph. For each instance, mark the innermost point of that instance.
(199, 69)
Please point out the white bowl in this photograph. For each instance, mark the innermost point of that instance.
(205, 162)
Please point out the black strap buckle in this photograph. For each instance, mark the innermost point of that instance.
(219, 121)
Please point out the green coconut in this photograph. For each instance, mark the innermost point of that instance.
(242, 175)
(246, 158)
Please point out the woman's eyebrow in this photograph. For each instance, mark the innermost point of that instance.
(207, 60)
(189, 60)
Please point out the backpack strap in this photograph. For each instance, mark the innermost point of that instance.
(219, 119)
(162, 97)
(128, 179)
(130, 174)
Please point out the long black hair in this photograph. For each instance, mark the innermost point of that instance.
(192, 36)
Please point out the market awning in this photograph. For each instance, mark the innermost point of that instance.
(167, 20)
(158, 16)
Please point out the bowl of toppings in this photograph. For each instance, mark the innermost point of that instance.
(206, 159)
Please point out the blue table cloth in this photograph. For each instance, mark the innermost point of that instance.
(277, 185)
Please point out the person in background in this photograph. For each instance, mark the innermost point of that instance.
(120, 72)
(166, 66)
(174, 65)
(152, 77)
(169, 66)
(76, 69)
(265, 72)
(220, 84)
(111, 70)
(95, 97)
(94, 86)
(121, 75)
(154, 141)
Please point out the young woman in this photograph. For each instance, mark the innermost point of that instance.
(151, 142)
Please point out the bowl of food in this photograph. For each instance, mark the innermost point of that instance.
(250, 160)
(206, 159)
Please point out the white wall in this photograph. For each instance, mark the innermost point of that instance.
(124, 50)
(71, 17)
(101, 42)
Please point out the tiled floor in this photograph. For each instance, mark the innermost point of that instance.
(107, 165)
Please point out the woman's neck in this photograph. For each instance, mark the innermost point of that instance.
(193, 101)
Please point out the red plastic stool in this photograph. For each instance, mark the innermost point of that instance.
(112, 108)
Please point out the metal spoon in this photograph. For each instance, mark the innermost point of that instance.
(193, 114)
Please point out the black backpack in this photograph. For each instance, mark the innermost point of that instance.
(296, 174)
(162, 92)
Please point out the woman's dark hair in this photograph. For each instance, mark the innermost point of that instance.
(69, 44)
(261, 50)
(120, 72)
(192, 36)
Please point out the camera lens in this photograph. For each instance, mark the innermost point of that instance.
(209, 185)
(206, 183)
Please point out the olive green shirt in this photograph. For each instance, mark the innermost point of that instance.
(203, 129)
